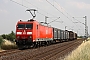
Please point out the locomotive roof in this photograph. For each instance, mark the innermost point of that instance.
(29, 21)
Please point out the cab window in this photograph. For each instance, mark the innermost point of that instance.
(29, 26)
(21, 26)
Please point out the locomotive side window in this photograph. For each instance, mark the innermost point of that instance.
(37, 26)
(29, 26)
(21, 26)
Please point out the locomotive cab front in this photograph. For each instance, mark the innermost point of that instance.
(24, 33)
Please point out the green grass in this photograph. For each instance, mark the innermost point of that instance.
(81, 53)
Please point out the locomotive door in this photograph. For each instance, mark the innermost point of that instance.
(37, 30)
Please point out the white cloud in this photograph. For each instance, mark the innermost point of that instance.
(80, 5)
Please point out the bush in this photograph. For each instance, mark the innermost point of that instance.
(6, 45)
(4, 36)
(10, 36)
(8, 41)
(1, 40)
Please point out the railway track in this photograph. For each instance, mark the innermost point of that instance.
(8, 52)
(59, 49)
(51, 52)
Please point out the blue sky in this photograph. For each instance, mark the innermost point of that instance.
(11, 13)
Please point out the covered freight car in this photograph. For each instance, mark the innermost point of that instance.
(75, 36)
(66, 35)
(71, 35)
(57, 34)
(61, 35)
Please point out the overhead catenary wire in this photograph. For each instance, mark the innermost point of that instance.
(60, 11)
(54, 20)
(62, 8)
(19, 4)
(26, 6)
(42, 10)
(38, 8)
(68, 13)
(34, 6)
(79, 21)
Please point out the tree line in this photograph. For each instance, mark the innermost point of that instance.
(10, 36)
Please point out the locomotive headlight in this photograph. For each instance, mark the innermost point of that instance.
(29, 32)
(19, 32)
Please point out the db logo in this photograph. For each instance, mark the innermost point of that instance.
(24, 32)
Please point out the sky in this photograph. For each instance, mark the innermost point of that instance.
(69, 11)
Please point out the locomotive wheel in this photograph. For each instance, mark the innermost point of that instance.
(54, 41)
(32, 45)
(47, 43)
(36, 45)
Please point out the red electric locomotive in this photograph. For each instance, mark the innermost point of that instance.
(31, 32)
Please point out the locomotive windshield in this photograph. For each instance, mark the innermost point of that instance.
(29, 26)
(21, 26)
(25, 26)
